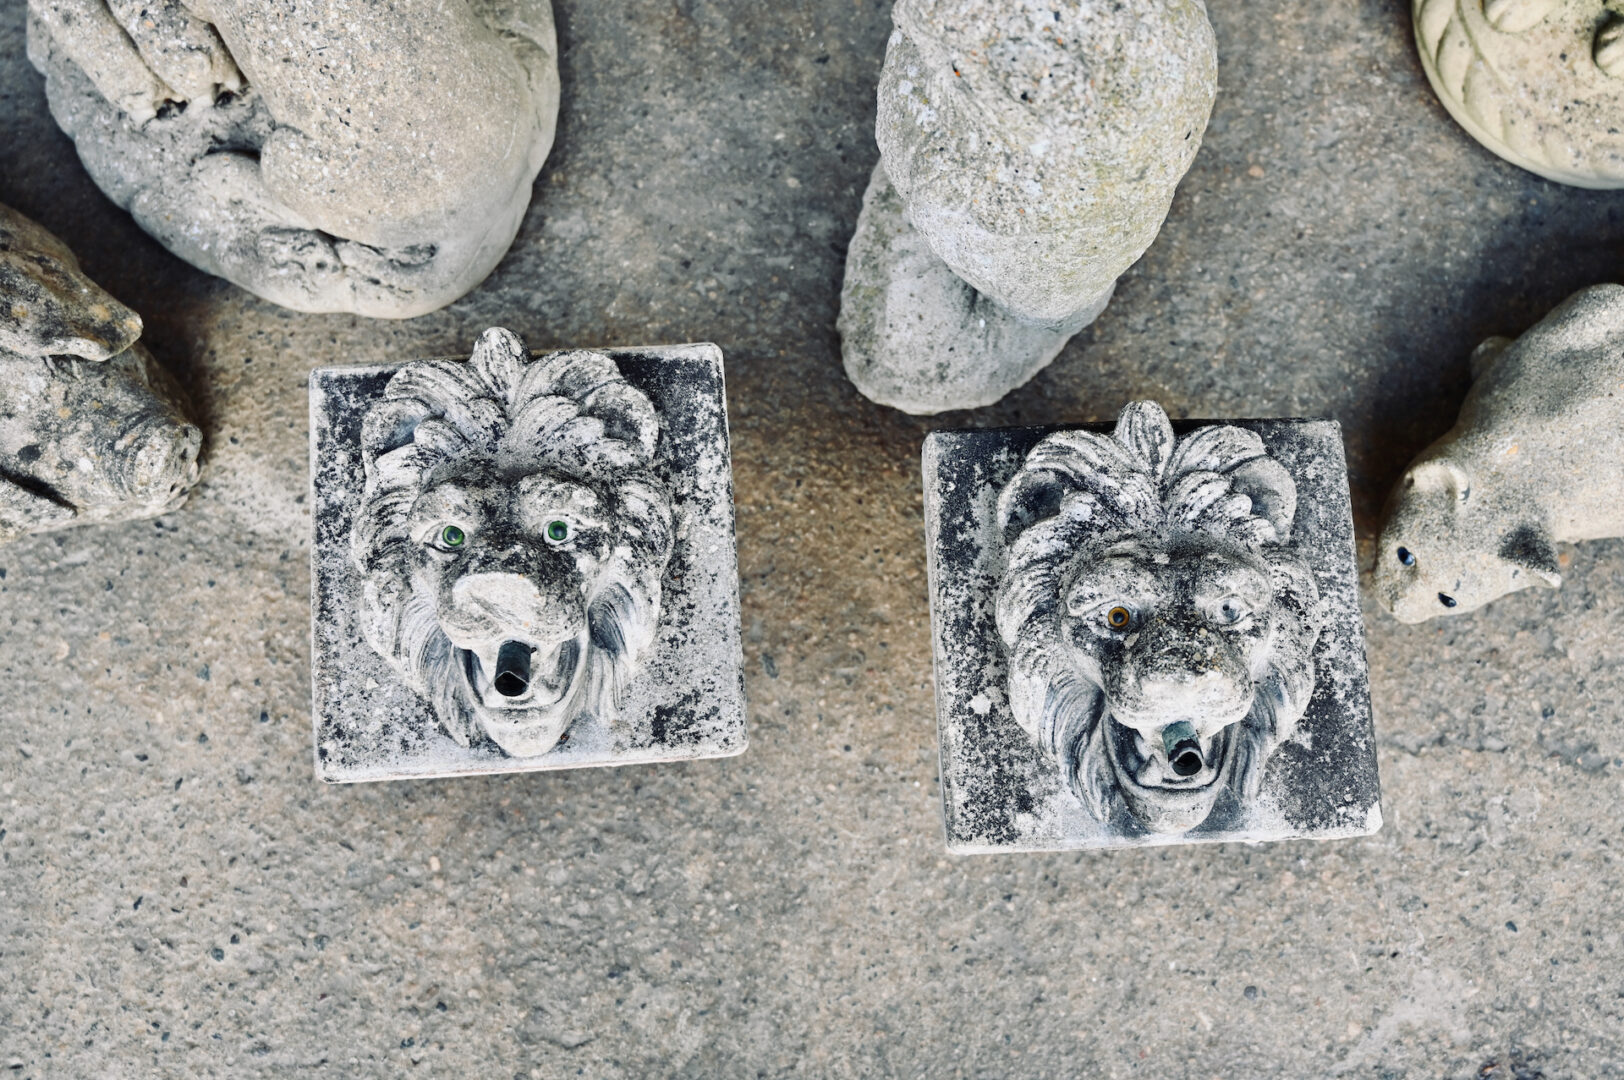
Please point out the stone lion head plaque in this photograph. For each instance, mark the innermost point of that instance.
(1143, 637)
(524, 562)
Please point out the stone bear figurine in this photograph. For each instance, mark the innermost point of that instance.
(91, 428)
(1536, 457)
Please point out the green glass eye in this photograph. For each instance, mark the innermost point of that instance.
(558, 531)
(452, 536)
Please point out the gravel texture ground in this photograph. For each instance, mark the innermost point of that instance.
(179, 897)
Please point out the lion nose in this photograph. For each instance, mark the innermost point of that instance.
(1175, 692)
(514, 600)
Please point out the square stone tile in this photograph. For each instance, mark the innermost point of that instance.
(687, 698)
(1002, 792)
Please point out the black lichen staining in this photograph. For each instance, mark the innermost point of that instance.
(1003, 792)
(687, 701)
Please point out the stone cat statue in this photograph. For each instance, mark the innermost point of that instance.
(1536, 457)
(91, 428)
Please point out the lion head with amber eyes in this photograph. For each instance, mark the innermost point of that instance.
(513, 539)
(1160, 628)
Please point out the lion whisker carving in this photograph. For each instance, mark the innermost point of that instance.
(1160, 627)
(513, 538)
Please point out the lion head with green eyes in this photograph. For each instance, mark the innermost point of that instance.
(513, 539)
(1160, 628)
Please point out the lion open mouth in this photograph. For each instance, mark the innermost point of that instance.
(519, 675)
(1146, 762)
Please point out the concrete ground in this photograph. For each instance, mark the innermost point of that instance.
(179, 897)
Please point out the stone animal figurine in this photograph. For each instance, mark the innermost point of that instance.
(1159, 623)
(91, 428)
(513, 539)
(1539, 82)
(1028, 156)
(362, 157)
(1536, 457)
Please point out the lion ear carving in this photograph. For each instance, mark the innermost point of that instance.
(1032, 497)
(389, 426)
(1272, 490)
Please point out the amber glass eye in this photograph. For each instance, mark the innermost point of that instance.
(1119, 618)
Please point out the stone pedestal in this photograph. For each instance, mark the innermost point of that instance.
(1031, 753)
(683, 698)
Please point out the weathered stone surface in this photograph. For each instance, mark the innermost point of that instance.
(1037, 145)
(364, 157)
(1539, 82)
(1536, 458)
(1147, 640)
(91, 429)
(1032, 148)
(916, 336)
(1336, 249)
(538, 571)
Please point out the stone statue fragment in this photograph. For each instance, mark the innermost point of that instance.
(91, 428)
(520, 556)
(366, 157)
(1168, 616)
(1535, 458)
(1028, 156)
(1539, 82)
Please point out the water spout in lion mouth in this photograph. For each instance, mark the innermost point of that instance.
(1183, 747)
(513, 669)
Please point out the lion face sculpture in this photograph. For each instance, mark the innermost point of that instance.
(1160, 631)
(513, 539)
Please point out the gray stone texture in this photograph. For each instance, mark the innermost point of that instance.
(351, 156)
(92, 429)
(1304, 765)
(916, 336)
(1536, 457)
(1037, 146)
(1032, 151)
(683, 692)
(1338, 249)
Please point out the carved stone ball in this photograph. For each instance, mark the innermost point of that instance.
(357, 156)
(1037, 145)
(1539, 82)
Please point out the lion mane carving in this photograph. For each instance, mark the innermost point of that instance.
(1160, 628)
(513, 539)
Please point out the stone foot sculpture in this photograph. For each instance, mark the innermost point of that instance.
(1536, 457)
(91, 428)
(1027, 158)
(1539, 82)
(371, 158)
